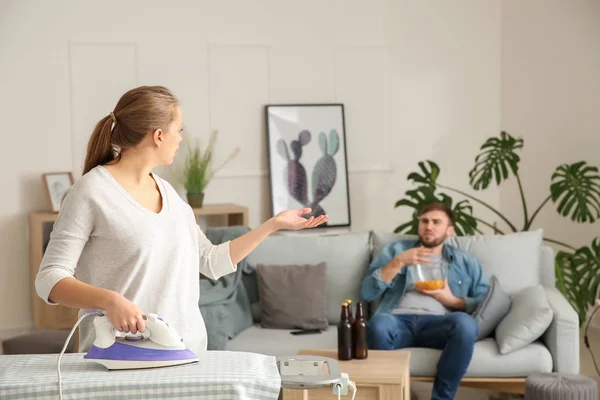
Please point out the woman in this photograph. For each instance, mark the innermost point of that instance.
(132, 242)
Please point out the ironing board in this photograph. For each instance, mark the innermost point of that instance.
(219, 375)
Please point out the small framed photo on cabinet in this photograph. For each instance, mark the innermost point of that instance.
(57, 184)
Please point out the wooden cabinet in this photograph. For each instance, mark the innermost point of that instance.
(40, 226)
(236, 214)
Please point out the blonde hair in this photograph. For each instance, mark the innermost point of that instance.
(138, 112)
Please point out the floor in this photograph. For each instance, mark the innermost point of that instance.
(422, 391)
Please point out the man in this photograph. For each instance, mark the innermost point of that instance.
(439, 319)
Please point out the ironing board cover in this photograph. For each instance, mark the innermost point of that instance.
(219, 375)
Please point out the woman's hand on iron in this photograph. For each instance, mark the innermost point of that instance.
(125, 316)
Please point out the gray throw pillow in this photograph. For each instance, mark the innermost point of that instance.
(292, 296)
(492, 309)
(529, 317)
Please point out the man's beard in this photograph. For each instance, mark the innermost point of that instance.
(433, 242)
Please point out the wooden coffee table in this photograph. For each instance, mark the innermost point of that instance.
(384, 375)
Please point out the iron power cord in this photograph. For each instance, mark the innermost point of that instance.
(89, 314)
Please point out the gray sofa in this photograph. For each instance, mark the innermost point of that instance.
(519, 261)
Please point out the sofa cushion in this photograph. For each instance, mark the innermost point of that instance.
(284, 300)
(381, 239)
(529, 317)
(346, 255)
(514, 258)
(278, 342)
(487, 361)
(492, 309)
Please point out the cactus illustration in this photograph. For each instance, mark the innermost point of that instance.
(295, 173)
(325, 171)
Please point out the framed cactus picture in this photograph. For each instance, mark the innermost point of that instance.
(306, 146)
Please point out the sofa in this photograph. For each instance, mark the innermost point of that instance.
(521, 262)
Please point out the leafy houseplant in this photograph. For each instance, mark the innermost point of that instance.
(197, 170)
(574, 189)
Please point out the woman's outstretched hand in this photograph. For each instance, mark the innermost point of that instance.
(295, 220)
(288, 219)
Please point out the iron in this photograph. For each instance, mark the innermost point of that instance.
(158, 346)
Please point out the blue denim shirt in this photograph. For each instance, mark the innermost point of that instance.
(465, 277)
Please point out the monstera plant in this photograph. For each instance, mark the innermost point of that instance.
(574, 189)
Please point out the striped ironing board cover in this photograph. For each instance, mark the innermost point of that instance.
(220, 375)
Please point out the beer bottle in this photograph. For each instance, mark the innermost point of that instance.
(350, 311)
(351, 319)
(359, 334)
(344, 335)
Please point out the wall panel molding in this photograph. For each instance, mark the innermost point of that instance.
(363, 84)
(99, 73)
(238, 81)
(211, 47)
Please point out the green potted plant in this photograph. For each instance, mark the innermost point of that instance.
(197, 170)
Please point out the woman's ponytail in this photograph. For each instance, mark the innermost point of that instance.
(100, 149)
(138, 112)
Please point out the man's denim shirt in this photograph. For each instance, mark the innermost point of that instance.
(465, 277)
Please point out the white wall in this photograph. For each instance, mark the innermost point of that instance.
(419, 80)
(551, 97)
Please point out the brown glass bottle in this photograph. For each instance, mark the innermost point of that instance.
(350, 311)
(359, 334)
(344, 335)
(351, 319)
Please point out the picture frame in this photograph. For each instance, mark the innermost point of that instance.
(57, 184)
(307, 160)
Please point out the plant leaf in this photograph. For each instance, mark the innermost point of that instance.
(576, 188)
(196, 171)
(578, 276)
(197, 168)
(430, 171)
(465, 223)
(495, 160)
